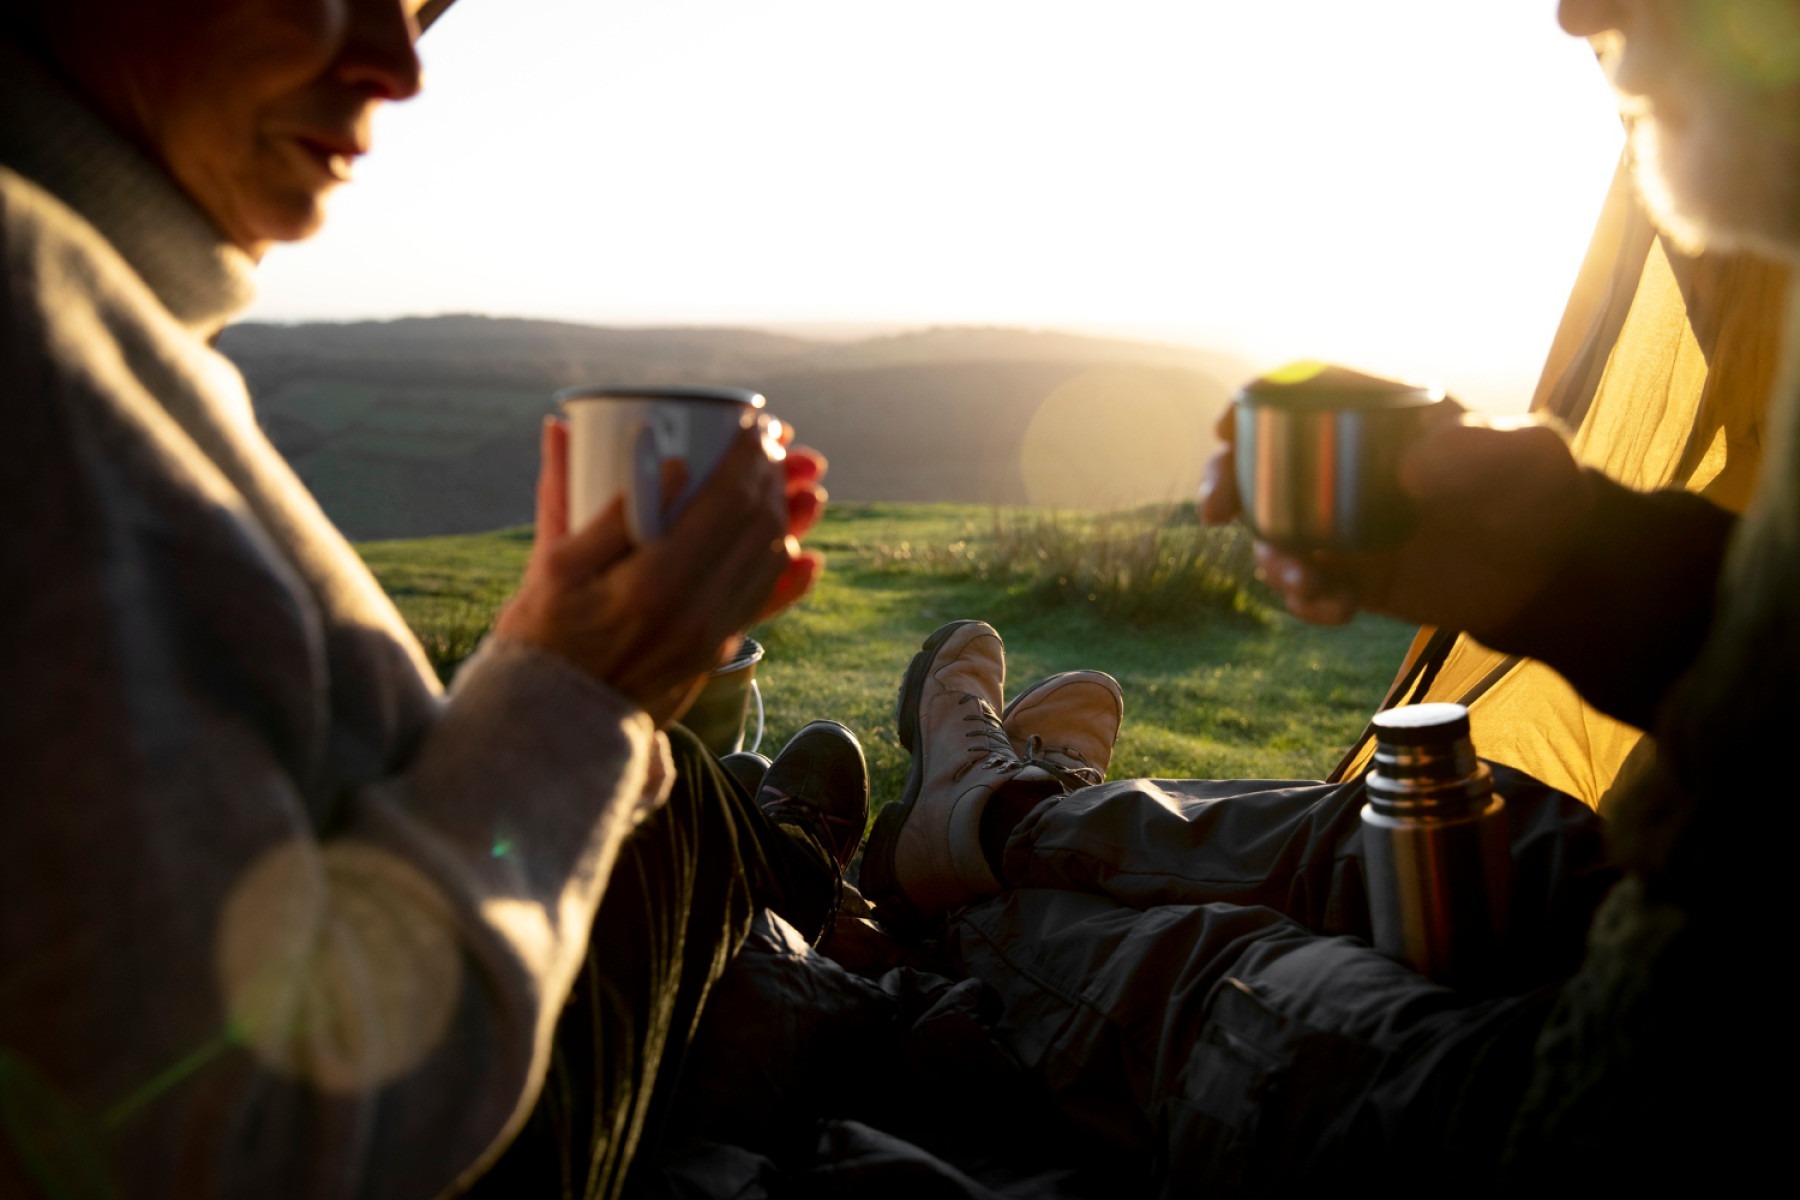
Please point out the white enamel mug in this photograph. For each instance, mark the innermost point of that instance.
(620, 437)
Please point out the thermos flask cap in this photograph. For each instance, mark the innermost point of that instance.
(1422, 724)
(1425, 762)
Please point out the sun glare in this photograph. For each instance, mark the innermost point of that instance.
(1404, 185)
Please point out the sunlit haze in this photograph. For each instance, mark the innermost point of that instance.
(1403, 185)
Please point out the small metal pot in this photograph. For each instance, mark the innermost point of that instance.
(721, 712)
(1318, 452)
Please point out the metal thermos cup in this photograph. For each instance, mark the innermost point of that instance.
(1318, 456)
(1438, 866)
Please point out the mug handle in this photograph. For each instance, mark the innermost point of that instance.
(642, 473)
(756, 698)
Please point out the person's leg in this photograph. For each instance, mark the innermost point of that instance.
(1230, 1046)
(1296, 848)
(984, 809)
(678, 905)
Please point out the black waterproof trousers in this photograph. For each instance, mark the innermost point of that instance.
(678, 906)
(1185, 965)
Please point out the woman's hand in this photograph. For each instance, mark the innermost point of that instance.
(652, 620)
(803, 469)
(1499, 513)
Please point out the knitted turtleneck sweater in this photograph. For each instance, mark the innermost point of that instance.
(276, 917)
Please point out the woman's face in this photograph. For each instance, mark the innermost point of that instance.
(258, 108)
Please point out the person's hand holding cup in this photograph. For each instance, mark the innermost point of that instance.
(668, 522)
(1392, 499)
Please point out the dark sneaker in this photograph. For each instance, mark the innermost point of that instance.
(747, 767)
(1067, 724)
(820, 782)
(924, 856)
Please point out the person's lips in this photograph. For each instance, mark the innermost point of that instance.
(332, 154)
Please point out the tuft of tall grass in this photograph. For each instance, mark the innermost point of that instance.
(1149, 566)
(450, 633)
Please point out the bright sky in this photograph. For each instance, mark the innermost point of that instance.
(1402, 185)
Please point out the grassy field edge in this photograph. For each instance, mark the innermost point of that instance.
(1217, 683)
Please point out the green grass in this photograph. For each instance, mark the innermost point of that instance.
(1218, 684)
(449, 588)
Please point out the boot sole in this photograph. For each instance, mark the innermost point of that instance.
(880, 881)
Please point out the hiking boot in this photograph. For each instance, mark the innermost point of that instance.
(1067, 724)
(924, 857)
(820, 783)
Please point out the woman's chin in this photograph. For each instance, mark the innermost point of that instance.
(285, 218)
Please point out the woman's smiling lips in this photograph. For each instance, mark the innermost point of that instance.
(332, 155)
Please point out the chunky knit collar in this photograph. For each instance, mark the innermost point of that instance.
(53, 139)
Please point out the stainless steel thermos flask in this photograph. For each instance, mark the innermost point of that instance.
(1435, 846)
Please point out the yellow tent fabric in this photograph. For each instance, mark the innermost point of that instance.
(1662, 366)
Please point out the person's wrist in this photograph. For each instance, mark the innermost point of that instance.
(1583, 533)
(1580, 525)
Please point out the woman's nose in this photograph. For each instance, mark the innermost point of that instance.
(379, 51)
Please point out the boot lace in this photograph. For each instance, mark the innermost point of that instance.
(1070, 765)
(990, 748)
(828, 831)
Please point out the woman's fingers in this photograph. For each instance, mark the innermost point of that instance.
(743, 497)
(1225, 425)
(802, 470)
(672, 476)
(802, 572)
(592, 548)
(804, 465)
(804, 510)
(1312, 591)
(776, 434)
(553, 483)
(652, 619)
(1218, 487)
(726, 549)
(1218, 483)
(1327, 607)
(739, 583)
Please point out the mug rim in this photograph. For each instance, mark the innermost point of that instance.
(1341, 400)
(699, 393)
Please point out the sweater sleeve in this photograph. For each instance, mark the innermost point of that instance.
(232, 1000)
(444, 919)
(275, 919)
(224, 997)
(1626, 615)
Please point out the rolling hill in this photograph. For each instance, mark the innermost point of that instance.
(428, 425)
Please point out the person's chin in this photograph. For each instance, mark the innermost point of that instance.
(285, 199)
(290, 216)
(1708, 193)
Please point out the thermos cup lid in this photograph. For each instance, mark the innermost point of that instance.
(1317, 385)
(1425, 764)
(1422, 724)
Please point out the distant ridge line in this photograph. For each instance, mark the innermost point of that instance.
(421, 425)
